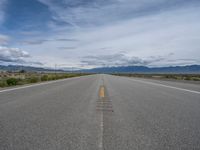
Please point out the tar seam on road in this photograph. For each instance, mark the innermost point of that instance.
(101, 97)
(168, 86)
(101, 132)
(104, 109)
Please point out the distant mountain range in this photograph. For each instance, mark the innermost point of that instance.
(122, 69)
(143, 69)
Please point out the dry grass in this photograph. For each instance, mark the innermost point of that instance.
(191, 77)
(13, 79)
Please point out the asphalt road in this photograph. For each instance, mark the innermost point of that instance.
(101, 112)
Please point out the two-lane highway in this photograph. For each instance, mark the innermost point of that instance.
(101, 112)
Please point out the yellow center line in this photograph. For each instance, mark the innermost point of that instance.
(102, 92)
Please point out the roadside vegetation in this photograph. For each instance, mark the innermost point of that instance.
(20, 78)
(190, 77)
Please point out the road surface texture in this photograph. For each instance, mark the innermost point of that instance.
(101, 112)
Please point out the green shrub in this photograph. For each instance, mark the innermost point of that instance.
(187, 78)
(44, 78)
(3, 83)
(22, 71)
(195, 79)
(33, 79)
(52, 78)
(12, 81)
(21, 82)
(49, 78)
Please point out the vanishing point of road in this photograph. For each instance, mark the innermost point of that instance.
(101, 112)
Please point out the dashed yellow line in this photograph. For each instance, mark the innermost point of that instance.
(102, 92)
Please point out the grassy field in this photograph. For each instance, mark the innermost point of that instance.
(191, 77)
(13, 79)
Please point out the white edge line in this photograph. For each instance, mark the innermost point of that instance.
(168, 86)
(37, 84)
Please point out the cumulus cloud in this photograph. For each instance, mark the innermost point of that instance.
(120, 59)
(16, 56)
(12, 55)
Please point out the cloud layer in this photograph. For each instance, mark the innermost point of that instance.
(12, 55)
(80, 13)
(94, 33)
(16, 56)
(121, 59)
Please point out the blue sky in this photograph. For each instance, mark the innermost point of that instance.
(96, 33)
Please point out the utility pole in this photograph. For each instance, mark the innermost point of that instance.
(72, 70)
(55, 68)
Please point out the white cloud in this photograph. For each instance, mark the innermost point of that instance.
(84, 13)
(12, 54)
(170, 32)
(120, 59)
(141, 29)
(17, 56)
